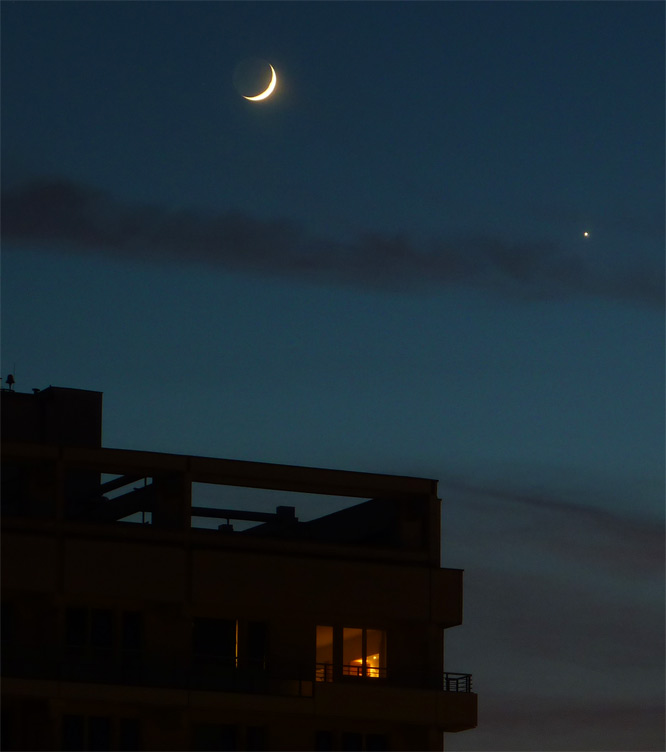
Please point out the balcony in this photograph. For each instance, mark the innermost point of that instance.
(131, 669)
(106, 670)
(448, 703)
(457, 682)
(450, 682)
(450, 710)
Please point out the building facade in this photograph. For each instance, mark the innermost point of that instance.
(126, 627)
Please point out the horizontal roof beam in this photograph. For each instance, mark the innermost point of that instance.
(227, 472)
(239, 514)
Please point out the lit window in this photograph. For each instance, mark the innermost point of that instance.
(364, 652)
(375, 652)
(351, 651)
(324, 654)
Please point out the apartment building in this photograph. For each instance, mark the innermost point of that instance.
(135, 617)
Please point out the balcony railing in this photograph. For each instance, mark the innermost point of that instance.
(457, 682)
(324, 672)
(253, 678)
(451, 682)
(372, 672)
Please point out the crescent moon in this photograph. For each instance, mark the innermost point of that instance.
(268, 91)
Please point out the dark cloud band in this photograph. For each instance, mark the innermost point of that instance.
(57, 213)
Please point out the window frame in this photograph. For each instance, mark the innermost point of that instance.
(338, 669)
(94, 631)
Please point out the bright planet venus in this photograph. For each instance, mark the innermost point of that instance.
(255, 79)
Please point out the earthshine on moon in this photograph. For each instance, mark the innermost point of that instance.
(269, 89)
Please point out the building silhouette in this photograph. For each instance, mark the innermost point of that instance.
(126, 628)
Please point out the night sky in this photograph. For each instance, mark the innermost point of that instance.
(381, 267)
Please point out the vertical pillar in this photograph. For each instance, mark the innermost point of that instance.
(173, 501)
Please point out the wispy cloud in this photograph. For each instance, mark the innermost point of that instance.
(519, 722)
(62, 214)
(590, 531)
(570, 596)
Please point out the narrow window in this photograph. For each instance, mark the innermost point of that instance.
(352, 651)
(76, 627)
(375, 653)
(99, 733)
(352, 742)
(226, 737)
(7, 725)
(324, 741)
(256, 738)
(129, 735)
(101, 629)
(131, 643)
(214, 737)
(132, 631)
(254, 652)
(73, 732)
(376, 743)
(7, 627)
(324, 654)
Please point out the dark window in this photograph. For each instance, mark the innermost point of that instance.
(256, 738)
(7, 625)
(214, 736)
(76, 627)
(324, 741)
(376, 743)
(7, 730)
(215, 637)
(352, 742)
(99, 733)
(129, 735)
(255, 649)
(73, 733)
(101, 629)
(132, 631)
(89, 627)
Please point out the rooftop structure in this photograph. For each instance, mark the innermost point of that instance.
(127, 626)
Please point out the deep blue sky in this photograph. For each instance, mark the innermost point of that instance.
(382, 267)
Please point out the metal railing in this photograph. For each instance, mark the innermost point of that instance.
(370, 672)
(324, 672)
(131, 669)
(457, 682)
(449, 681)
